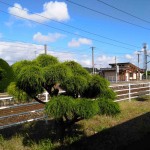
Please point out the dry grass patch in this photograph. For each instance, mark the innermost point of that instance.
(129, 110)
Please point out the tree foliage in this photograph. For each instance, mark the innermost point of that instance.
(19, 95)
(98, 87)
(6, 74)
(108, 107)
(46, 73)
(46, 60)
(70, 109)
(1, 73)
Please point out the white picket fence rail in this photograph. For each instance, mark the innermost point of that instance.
(130, 91)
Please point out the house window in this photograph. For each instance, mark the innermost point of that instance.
(131, 74)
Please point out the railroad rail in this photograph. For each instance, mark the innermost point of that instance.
(19, 114)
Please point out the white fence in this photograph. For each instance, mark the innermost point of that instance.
(129, 91)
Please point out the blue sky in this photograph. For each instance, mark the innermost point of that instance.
(62, 26)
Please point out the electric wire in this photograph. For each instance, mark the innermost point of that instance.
(121, 20)
(123, 11)
(67, 31)
(72, 26)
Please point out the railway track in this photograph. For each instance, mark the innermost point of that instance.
(18, 114)
(22, 113)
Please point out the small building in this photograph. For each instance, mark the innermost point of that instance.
(125, 72)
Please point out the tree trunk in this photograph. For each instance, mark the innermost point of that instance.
(38, 100)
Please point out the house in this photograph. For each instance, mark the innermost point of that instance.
(125, 72)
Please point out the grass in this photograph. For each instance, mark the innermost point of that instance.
(131, 125)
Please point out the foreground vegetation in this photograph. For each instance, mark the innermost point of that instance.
(124, 131)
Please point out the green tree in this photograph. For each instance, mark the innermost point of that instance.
(81, 99)
(1, 73)
(6, 75)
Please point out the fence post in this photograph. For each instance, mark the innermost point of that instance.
(129, 92)
(149, 87)
(46, 96)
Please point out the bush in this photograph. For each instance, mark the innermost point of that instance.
(18, 94)
(86, 108)
(59, 106)
(108, 107)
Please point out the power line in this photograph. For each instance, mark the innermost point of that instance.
(73, 26)
(121, 20)
(67, 31)
(124, 11)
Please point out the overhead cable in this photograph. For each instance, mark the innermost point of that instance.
(95, 34)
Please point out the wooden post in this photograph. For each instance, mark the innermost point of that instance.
(129, 92)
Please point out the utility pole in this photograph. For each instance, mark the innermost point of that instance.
(138, 64)
(45, 49)
(116, 69)
(93, 58)
(145, 58)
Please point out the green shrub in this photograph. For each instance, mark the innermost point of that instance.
(108, 107)
(108, 94)
(17, 94)
(86, 108)
(59, 106)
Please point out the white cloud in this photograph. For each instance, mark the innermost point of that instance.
(16, 51)
(129, 57)
(51, 10)
(51, 37)
(63, 56)
(79, 42)
(86, 62)
(104, 61)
